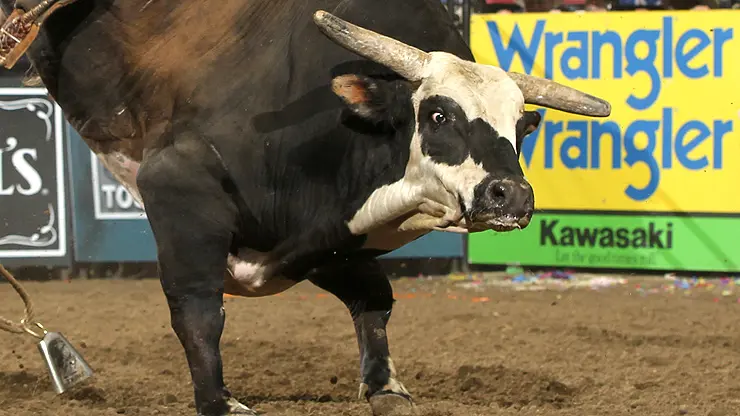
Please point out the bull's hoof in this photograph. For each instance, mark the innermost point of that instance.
(387, 403)
(236, 408)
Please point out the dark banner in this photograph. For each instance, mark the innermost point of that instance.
(33, 212)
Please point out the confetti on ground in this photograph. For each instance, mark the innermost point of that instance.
(725, 287)
(521, 281)
(457, 276)
(515, 278)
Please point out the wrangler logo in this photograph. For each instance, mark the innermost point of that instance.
(659, 72)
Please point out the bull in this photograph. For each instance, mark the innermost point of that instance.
(276, 142)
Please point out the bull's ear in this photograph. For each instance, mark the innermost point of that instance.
(526, 125)
(365, 96)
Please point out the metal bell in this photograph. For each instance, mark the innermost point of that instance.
(66, 366)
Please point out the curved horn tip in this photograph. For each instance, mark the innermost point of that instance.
(603, 109)
(597, 107)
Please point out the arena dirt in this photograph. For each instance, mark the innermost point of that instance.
(579, 352)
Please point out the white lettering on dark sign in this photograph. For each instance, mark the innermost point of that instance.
(32, 203)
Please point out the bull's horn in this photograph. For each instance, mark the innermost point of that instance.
(407, 61)
(550, 94)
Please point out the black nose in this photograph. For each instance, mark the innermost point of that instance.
(511, 196)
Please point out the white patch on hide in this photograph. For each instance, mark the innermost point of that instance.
(248, 268)
(460, 179)
(393, 384)
(249, 271)
(385, 204)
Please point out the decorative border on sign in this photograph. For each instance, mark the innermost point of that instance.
(35, 240)
(47, 235)
(31, 104)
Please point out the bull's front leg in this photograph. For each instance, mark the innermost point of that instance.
(364, 288)
(432, 216)
(193, 222)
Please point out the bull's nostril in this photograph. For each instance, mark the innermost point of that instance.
(498, 192)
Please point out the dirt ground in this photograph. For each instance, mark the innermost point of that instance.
(494, 351)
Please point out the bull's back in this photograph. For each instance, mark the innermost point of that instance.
(275, 56)
(227, 66)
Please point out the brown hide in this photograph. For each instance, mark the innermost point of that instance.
(160, 51)
(168, 47)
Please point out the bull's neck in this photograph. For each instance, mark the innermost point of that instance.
(384, 193)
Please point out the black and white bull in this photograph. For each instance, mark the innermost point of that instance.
(265, 154)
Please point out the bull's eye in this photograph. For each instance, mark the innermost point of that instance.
(438, 117)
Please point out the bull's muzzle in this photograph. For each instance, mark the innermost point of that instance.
(502, 204)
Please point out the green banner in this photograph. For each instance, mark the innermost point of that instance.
(615, 241)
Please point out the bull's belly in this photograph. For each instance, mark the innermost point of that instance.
(247, 275)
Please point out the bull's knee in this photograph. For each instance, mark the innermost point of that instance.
(197, 320)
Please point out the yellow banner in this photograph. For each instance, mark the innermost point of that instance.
(673, 79)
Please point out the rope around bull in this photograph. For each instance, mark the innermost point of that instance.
(22, 326)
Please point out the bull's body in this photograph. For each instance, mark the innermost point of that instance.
(221, 118)
(247, 82)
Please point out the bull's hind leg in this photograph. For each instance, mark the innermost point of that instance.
(364, 288)
(193, 218)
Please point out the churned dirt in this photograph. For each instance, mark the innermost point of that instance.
(460, 352)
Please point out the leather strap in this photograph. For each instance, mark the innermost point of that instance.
(22, 34)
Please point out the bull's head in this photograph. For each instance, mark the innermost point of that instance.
(469, 125)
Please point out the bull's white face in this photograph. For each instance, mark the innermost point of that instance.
(466, 140)
(462, 172)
